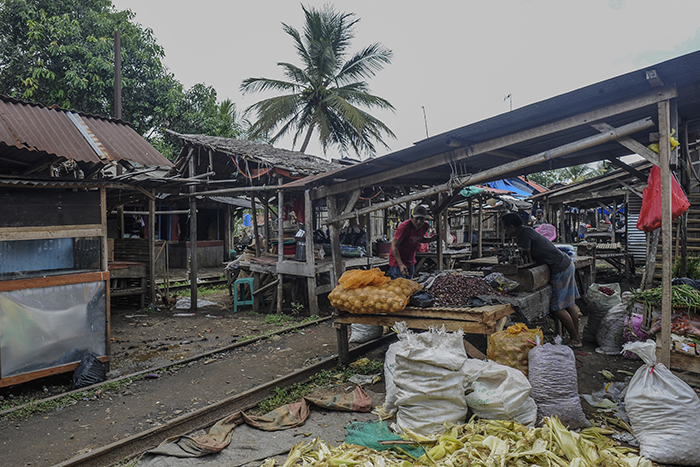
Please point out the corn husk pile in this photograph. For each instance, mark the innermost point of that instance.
(482, 443)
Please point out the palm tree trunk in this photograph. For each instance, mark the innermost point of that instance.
(307, 138)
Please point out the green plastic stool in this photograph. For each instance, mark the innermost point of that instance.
(250, 282)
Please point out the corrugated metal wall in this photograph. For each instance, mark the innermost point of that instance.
(637, 242)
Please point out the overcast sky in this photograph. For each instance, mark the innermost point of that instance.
(457, 59)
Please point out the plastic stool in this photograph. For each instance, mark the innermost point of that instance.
(250, 282)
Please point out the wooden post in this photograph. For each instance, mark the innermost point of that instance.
(666, 232)
(103, 241)
(266, 228)
(152, 248)
(280, 244)
(441, 231)
(256, 246)
(256, 234)
(628, 256)
(385, 226)
(562, 232)
(309, 227)
(471, 222)
(334, 230)
(368, 231)
(481, 226)
(193, 240)
(685, 159)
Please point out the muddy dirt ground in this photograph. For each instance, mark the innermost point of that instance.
(147, 340)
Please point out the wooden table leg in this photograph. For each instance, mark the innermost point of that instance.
(343, 346)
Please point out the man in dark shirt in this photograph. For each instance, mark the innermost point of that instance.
(564, 291)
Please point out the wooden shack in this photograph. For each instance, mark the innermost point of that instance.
(54, 279)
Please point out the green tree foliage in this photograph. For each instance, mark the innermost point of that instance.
(61, 52)
(325, 94)
(572, 174)
(198, 112)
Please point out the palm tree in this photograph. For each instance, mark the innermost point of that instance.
(325, 93)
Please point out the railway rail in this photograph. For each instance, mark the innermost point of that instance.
(134, 446)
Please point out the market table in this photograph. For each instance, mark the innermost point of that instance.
(585, 269)
(450, 257)
(471, 320)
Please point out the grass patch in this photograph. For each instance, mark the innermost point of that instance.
(278, 320)
(59, 402)
(290, 394)
(202, 291)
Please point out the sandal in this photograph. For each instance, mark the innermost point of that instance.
(575, 345)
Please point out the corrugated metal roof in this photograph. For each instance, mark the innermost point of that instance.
(683, 73)
(30, 127)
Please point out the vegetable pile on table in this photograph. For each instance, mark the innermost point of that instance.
(456, 289)
(685, 321)
(481, 443)
(367, 292)
(682, 296)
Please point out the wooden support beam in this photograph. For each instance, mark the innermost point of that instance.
(193, 238)
(334, 230)
(643, 100)
(495, 172)
(309, 228)
(666, 232)
(631, 144)
(352, 198)
(618, 163)
(280, 246)
(152, 249)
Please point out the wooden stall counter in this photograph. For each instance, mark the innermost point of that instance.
(471, 320)
(128, 278)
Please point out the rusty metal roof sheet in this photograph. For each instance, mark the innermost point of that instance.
(71, 135)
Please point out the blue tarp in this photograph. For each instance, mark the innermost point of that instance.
(509, 186)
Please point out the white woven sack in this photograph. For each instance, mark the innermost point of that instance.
(429, 381)
(498, 392)
(554, 381)
(361, 333)
(663, 411)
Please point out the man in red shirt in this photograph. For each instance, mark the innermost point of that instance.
(407, 238)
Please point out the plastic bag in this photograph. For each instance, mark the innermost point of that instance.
(500, 282)
(555, 385)
(429, 381)
(511, 346)
(663, 411)
(632, 332)
(694, 283)
(498, 392)
(599, 303)
(361, 333)
(391, 297)
(609, 334)
(548, 231)
(422, 299)
(90, 371)
(354, 278)
(650, 214)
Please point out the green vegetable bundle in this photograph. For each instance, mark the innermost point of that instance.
(682, 296)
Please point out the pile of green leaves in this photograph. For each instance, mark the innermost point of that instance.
(693, 270)
(682, 296)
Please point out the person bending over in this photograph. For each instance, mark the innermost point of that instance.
(407, 238)
(562, 279)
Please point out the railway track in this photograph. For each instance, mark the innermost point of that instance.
(203, 282)
(133, 446)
